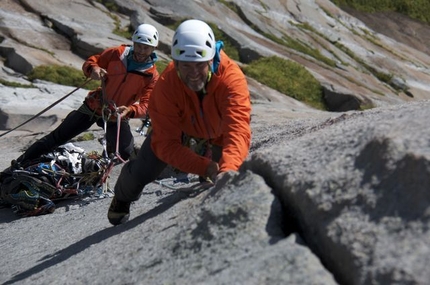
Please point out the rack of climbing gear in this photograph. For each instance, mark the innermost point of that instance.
(66, 173)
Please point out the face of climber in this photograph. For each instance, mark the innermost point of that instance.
(194, 74)
(141, 52)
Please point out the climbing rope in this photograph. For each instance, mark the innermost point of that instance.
(47, 108)
(109, 107)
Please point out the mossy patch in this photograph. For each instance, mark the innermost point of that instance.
(289, 78)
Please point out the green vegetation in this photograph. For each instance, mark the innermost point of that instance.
(285, 40)
(126, 32)
(231, 5)
(289, 78)
(265, 7)
(112, 7)
(282, 75)
(301, 47)
(229, 46)
(383, 77)
(64, 75)
(161, 65)
(366, 106)
(15, 84)
(416, 9)
(85, 137)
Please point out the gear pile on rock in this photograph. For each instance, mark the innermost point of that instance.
(68, 172)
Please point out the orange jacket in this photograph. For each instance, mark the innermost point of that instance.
(131, 89)
(223, 116)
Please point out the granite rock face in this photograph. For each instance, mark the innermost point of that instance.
(323, 197)
(357, 66)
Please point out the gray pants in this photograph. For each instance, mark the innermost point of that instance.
(144, 169)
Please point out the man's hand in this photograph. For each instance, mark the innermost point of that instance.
(123, 111)
(97, 73)
(212, 171)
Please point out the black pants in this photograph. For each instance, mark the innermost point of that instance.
(74, 124)
(144, 169)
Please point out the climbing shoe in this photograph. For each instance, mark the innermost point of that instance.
(119, 212)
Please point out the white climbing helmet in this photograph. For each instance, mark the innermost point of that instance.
(193, 40)
(146, 34)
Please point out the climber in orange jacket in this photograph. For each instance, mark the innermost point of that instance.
(128, 74)
(200, 112)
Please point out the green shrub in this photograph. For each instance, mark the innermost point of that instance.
(85, 137)
(64, 75)
(125, 32)
(416, 9)
(69, 76)
(15, 84)
(289, 78)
